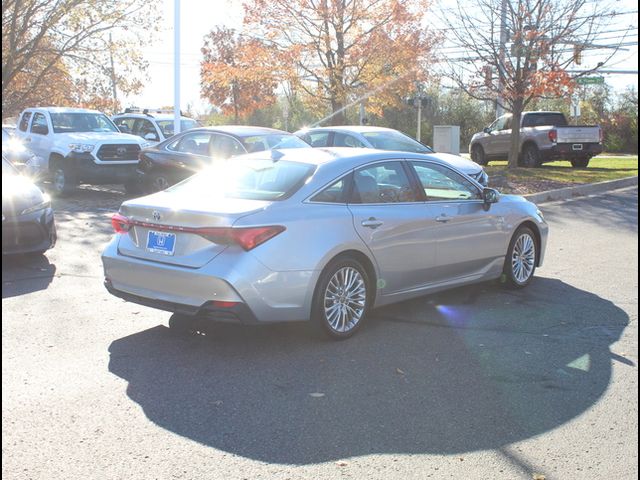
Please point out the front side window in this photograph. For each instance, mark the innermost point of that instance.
(68, 122)
(144, 128)
(317, 139)
(441, 183)
(382, 183)
(39, 124)
(194, 143)
(248, 179)
(500, 123)
(335, 193)
(24, 121)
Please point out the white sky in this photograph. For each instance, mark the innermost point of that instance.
(198, 17)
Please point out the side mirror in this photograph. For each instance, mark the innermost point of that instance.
(486, 130)
(490, 195)
(151, 136)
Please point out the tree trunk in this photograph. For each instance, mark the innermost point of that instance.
(337, 106)
(514, 147)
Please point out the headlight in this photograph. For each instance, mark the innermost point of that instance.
(145, 145)
(80, 147)
(46, 203)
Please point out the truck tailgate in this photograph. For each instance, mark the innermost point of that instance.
(578, 134)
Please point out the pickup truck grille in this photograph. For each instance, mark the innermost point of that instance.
(118, 152)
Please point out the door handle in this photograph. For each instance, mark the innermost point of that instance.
(371, 223)
(27, 140)
(443, 218)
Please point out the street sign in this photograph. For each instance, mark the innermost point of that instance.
(590, 80)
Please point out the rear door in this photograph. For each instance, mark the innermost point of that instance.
(388, 215)
(470, 237)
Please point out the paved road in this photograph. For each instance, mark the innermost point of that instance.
(475, 383)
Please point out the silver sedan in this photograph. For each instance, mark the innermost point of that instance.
(322, 235)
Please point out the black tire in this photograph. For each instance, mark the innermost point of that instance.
(531, 157)
(580, 162)
(341, 300)
(133, 187)
(63, 180)
(158, 181)
(528, 260)
(182, 324)
(478, 156)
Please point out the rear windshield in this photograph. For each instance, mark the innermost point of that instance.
(262, 179)
(544, 120)
(258, 143)
(395, 141)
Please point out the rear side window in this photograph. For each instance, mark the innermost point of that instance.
(195, 143)
(335, 193)
(317, 139)
(24, 122)
(344, 140)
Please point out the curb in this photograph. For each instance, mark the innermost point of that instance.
(581, 190)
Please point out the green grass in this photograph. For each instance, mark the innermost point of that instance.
(558, 174)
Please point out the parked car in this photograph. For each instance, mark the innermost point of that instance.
(189, 152)
(381, 138)
(320, 234)
(544, 137)
(152, 125)
(27, 218)
(79, 145)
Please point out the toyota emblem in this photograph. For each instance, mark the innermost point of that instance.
(156, 216)
(121, 150)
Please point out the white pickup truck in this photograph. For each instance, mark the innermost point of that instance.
(544, 137)
(80, 146)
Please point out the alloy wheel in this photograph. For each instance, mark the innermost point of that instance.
(345, 299)
(523, 258)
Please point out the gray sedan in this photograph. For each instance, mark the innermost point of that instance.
(322, 235)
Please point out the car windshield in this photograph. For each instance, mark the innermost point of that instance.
(258, 143)
(82, 122)
(390, 140)
(251, 179)
(167, 126)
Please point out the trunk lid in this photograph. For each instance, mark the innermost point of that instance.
(578, 134)
(163, 224)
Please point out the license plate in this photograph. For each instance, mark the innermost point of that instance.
(576, 146)
(161, 242)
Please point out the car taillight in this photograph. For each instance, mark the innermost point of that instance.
(248, 238)
(120, 223)
(553, 135)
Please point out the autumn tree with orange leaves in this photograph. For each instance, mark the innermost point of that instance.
(540, 39)
(339, 51)
(238, 73)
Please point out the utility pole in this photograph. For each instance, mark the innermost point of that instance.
(419, 100)
(501, 55)
(114, 92)
(176, 67)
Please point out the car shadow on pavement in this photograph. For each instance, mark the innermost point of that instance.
(472, 369)
(23, 274)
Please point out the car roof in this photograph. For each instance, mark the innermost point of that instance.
(65, 110)
(241, 130)
(154, 116)
(348, 128)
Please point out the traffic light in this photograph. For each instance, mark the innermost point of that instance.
(577, 54)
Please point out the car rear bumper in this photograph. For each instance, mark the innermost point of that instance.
(571, 151)
(257, 293)
(34, 232)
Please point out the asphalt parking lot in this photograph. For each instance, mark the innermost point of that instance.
(479, 382)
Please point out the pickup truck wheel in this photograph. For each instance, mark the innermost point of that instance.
(63, 182)
(580, 163)
(531, 157)
(478, 156)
